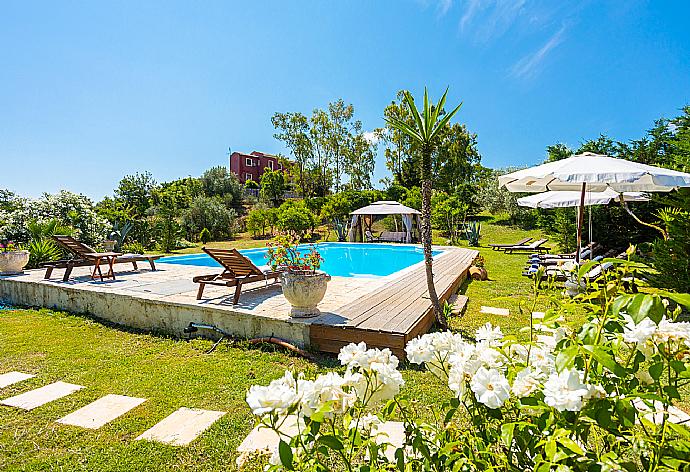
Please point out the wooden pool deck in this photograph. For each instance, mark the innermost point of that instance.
(383, 312)
(395, 313)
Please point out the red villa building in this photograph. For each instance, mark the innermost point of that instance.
(251, 166)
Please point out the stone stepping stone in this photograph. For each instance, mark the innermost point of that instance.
(182, 427)
(490, 310)
(35, 398)
(10, 378)
(263, 439)
(102, 411)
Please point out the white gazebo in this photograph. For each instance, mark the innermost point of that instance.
(364, 217)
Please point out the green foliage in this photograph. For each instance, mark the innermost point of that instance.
(205, 236)
(273, 186)
(250, 184)
(260, 218)
(448, 214)
(120, 232)
(168, 232)
(413, 198)
(671, 258)
(327, 146)
(396, 193)
(40, 251)
(210, 213)
(135, 192)
(133, 248)
(336, 211)
(295, 217)
(473, 231)
(220, 182)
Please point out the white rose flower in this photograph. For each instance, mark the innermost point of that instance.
(272, 398)
(366, 423)
(526, 381)
(490, 387)
(489, 334)
(353, 353)
(672, 331)
(638, 333)
(419, 351)
(565, 391)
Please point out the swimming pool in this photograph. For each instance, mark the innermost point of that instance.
(340, 259)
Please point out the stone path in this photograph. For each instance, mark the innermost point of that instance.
(12, 378)
(102, 411)
(35, 398)
(179, 429)
(182, 427)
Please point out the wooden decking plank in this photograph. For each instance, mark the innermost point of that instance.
(405, 285)
(395, 313)
(448, 276)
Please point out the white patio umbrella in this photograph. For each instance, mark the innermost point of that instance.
(568, 199)
(593, 172)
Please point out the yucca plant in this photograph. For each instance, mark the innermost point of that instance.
(425, 132)
(473, 231)
(40, 251)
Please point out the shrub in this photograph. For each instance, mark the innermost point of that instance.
(295, 217)
(671, 258)
(133, 248)
(257, 221)
(205, 235)
(210, 213)
(41, 251)
(252, 185)
(581, 400)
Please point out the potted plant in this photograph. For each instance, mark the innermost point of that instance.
(12, 259)
(304, 286)
(477, 270)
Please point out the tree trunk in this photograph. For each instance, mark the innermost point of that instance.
(426, 237)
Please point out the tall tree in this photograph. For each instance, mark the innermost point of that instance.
(428, 125)
(293, 130)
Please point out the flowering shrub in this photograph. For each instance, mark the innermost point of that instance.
(595, 398)
(9, 246)
(285, 254)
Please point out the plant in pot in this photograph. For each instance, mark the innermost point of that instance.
(477, 270)
(13, 259)
(304, 286)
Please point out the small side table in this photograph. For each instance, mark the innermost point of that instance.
(101, 257)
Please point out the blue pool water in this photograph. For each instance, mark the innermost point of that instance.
(340, 259)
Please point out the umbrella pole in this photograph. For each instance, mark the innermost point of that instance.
(581, 216)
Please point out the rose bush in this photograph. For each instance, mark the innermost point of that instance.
(596, 397)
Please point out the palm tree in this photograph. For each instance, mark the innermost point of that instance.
(425, 132)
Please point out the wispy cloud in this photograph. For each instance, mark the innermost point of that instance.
(488, 19)
(444, 6)
(371, 137)
(528, 66)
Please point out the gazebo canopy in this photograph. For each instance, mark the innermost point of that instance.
(386, 207)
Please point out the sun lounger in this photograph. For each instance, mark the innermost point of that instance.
(84, 256)
(498, 247)
(239, 270)
(536, 246)
(585, 251)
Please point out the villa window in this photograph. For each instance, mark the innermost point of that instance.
(248, 176)
(249, 162)
(270, 165)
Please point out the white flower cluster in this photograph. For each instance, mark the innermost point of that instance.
(371, 376)
(647, 334)
(482, 368)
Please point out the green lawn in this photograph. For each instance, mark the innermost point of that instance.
(173, 373)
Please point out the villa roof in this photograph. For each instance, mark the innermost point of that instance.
(386, 207)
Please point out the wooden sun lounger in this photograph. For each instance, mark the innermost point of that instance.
(560, 275)
(239, 270)
(522, 242)
(536, 246)
(84, 256)
(393, 236)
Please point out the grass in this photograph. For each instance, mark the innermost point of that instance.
(172, 373)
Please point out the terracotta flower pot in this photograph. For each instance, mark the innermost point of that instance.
(13, 262)
(304, 292)
(478, 273)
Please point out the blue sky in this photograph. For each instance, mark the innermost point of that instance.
(90, 91)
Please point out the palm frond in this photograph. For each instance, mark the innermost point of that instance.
(405, 128)
(444, 121)
(413, 110)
